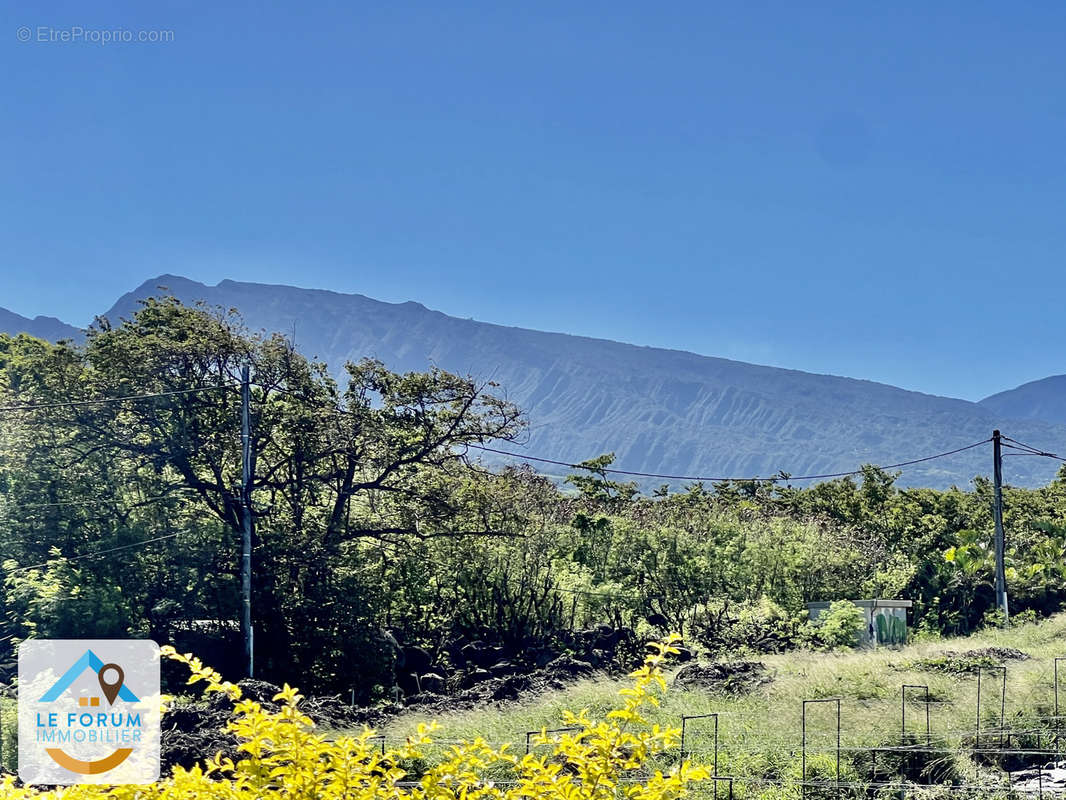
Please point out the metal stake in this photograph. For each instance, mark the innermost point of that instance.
(903, 712)
(804, 741)
(1002, 703)
(684, 726)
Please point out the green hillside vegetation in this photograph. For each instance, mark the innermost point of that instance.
(760, 733)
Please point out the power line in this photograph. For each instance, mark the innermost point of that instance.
(1032, 450)
(101, 502)
(105, 400)
(780, 477)
(570, 465)
(97, 553)
(774, 479)
(8, 507)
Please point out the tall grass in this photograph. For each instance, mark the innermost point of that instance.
(760, 732)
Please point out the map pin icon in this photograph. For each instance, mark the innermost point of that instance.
(111, 690)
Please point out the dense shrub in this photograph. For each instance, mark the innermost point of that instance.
(840, 626)
(760, 627)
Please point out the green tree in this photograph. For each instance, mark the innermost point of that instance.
(382, 460)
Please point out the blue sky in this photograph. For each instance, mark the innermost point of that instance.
(873, 190)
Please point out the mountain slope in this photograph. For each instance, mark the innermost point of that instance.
(1043, 399)
(48, 328)
(659, 410)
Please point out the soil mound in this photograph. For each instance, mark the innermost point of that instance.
(968, 661)
(725, 677)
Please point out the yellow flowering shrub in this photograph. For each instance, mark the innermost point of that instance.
(282, 757)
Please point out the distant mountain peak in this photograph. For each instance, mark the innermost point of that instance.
(1042, 399)
(42, 327)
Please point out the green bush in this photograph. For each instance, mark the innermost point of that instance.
(993, 618)
(762, 626)
(840, 626)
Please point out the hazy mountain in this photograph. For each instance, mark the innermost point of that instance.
(42, 327)
(1044, 399)
(662, 411)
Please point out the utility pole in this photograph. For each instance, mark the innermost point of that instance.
(246, 517)
(997, 515)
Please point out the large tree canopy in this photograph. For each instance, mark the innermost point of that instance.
(380, 460)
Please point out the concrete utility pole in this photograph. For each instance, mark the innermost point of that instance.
(997, 515)
(246, 517)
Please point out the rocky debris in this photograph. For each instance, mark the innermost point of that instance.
(474, 677)
(431, 682)
(462, 675)
(732, 677)
(252, 689)
(480, 654)
(684, 654)
(568, 666)
(1001, 654)
(503, 668)
(372, 716)
(542, 656)
(968, 661)
(465, 663)
(192, 731)
(416, 660)
(491, 691)
(513, 687)
(1051, 776)
(604, 638)
(183, 748)
(424, 700)
(502, 683)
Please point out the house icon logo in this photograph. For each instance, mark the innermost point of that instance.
(98, 720)
(112, 690)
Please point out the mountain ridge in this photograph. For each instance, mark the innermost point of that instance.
(660, 410)
(1040, 399)
(151, 287)
(42, 327)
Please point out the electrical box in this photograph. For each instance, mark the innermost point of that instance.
(886, 620)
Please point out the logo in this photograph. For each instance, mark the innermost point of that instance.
(88, 711)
